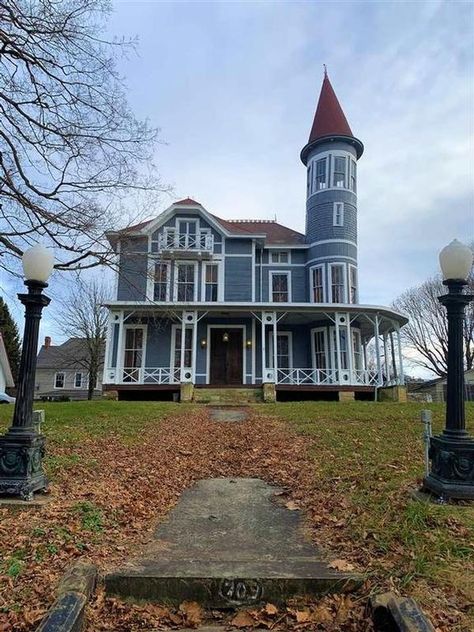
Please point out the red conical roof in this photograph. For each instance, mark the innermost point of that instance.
(329, 118)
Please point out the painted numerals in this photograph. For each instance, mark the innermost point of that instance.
(241, 591)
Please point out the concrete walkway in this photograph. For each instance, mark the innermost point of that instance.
(228, 543)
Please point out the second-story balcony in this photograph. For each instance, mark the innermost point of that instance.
(186, 245)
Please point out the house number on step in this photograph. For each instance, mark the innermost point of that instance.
(240, 590)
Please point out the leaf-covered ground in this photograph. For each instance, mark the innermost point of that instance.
(118, 467)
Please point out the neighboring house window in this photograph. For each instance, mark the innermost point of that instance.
(59, 380)
(320, 174)
(280, 256)
(185, 282)
(211, 281)
(338, 214)
(352, 284)
(357, 352)
(337, 283)
(161, 283)
(133, 353)
(353, 181)
(78, 380)
(317, 279)
(320, 349)
(280, 287)
(188, 350)
(339, 177)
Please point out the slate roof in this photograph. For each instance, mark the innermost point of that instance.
(70, 355)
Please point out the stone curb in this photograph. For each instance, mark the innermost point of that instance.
(392, 613)
(67, 614)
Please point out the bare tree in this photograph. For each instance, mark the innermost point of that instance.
(427, 331)
(71, 152)
(83, 315)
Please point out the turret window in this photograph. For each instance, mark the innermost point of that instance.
(353, 284)
(337, 283)
(338, 214)
(320, 174)
(353, 182)
(339, 177)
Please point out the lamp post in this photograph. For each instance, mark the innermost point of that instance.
(22, 448)
(452, 452)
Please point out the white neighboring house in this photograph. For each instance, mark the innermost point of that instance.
(6, 377)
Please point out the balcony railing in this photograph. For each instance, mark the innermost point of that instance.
(171, 240)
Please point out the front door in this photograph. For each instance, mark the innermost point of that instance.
(226, 356)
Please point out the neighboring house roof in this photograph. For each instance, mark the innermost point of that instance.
(70, 355)
(468, 375)
(270, 230)
(5, 364)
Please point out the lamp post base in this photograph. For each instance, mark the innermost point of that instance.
(21, 471)
(452, 467)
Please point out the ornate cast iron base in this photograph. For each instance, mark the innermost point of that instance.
(21, 472)
(452, 468)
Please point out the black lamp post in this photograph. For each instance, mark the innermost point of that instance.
(452, 452)
(22, 448)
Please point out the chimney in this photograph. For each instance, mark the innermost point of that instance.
(47, 342)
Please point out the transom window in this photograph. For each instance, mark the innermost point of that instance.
(338, 214)
(317, 277)
(211, 281)
(185, 282)
(161, 282)
(337, 283)
(78, 379)
(59, 380)
(339, 177)
(279, 256)
(320, 178)
(280, 287)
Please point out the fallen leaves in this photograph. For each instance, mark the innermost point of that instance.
(341, 565)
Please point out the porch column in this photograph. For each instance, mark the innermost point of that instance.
(263, 347)
(394, 362)
(377, 350)
(107, 352)
(194, 351)
(364, 352)
(183, 346)
(386, 357)
(338, 348)
(275, 347)
(120, 350)
(401, 375)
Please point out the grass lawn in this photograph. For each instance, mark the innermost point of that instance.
(118, 467)
(367, 457)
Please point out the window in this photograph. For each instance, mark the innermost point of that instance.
(279, 256)
(356, 348)
(317, 281)
(211, 285)
(284, 359)
(78, 380)
(133, 353)
(309, 179)
(320, 174)
(339, 178)
(280, 287)
(337, 283)
(320, 349)
(353, 181)
(188, 350)
(185, 282)
(59, 380)
(187, 233)
(352, 284)
(338, 214)
(161, 282)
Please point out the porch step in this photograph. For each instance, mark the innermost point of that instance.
(231, 396)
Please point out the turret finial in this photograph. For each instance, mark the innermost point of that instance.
(325, 70)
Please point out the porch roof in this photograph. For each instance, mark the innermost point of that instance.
(289, 313)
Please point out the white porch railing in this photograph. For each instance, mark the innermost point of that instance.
(183, 241)
(326, 377)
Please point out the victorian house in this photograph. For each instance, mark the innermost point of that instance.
(207, 303)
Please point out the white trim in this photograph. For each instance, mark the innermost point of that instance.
(244, 349)
(254, 269)
(336, 257)
(326, 347)
(254, 350)
(344, 281)
(336, 214)
(289, 335)
(174, 327)
(59, 388)
(248, 255)
(288, 265)
(311, 288)
(271, 274)
(177, 264)
(332, 241)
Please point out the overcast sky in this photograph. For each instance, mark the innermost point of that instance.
(234, 85)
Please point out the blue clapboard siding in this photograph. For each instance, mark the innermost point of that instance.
(238, 278)
(132, 278)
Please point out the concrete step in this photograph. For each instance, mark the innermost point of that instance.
(234, 396)
(229, 543)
